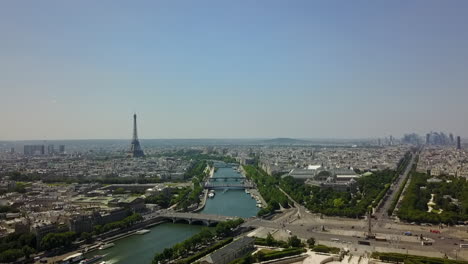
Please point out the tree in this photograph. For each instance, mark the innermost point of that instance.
(311, 242)
(260, 255)
(270, 241)
(10, 255)
(294, 241)
(27, 251)
(119, 190)
(57, 240)
(20, 187)
(338, 203)
(86, 236)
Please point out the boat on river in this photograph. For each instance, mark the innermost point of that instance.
(107, 245)
(142, 231)
(72, 258)
(92, 260)
(211, 194)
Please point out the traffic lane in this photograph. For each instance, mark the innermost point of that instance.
(363, 229)
(309, 230)
(351, 241)
(305, 232)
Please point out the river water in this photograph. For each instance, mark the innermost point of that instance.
(141, 248)
(230, 202)
(138, 249)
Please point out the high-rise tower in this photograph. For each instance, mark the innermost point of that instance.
(135, 148)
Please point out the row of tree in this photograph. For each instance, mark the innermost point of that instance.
(124, 223)
(15, 246)
(268, 187)
(58, 240)
(204, 238)
(192, 196)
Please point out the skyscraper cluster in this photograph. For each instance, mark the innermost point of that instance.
(34, 150)
(439, 138)
(39, 150)
(412, 138)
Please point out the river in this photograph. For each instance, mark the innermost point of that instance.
(138, 249)
(230, 202)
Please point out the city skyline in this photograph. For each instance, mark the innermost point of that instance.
(268, 69)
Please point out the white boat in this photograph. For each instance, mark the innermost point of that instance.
(91, 260)
(211, 194)
(142, 231)
(107, 245)
(72, 258)
(247, 191)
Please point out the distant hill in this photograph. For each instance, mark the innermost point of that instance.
(285, 141)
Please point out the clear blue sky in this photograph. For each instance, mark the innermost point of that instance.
(232, 69)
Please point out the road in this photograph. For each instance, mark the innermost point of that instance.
(352, 230)
(381, 213)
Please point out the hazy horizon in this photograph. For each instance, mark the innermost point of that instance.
(232, 70)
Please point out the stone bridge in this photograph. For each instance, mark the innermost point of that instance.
(228, 185)
(213, 179)
(193, 218)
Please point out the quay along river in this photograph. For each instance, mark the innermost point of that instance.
(138, 249)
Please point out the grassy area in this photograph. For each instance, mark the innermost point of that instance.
(267, 251)
(450, 196)
(325, 249)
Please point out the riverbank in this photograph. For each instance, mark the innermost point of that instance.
(205, 191)
(257, 195)
(253, 191)
(202, 202)
(89, 248)
(138, 249)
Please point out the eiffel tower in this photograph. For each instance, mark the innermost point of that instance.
(135, 148)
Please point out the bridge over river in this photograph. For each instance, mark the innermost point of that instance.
(228, 185)
(194, 218)
(214, 179)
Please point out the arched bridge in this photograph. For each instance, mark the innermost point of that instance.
(228, 185)
(193, 218)
(214, 179)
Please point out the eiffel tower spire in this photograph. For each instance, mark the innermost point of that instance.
(135, 148)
